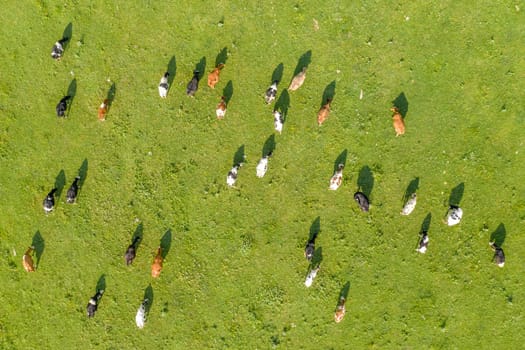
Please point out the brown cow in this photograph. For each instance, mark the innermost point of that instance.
(340, 310)
(221, 108)
(324, 112)
(156, 267)
(102, 110)
(27, 260)
(213, 77)
(397, 119)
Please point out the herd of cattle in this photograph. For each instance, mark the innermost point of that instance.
(453, 216)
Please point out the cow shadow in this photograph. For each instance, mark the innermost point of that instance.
(365, 181)
(269, 145)
(83, 172)
(139, 232)
(101, 283)
(412, 187)
(283, 103)
(201, 67)
(71, 92)
(277, 74)
(238, 157)
(401, 103)
(456, 195)
(110, 96)
(328, 93)
(304, 61)
(425, 225)
(222, 57)
(498, 236)
(344, 291)
(315, 228)
(148, 294)
(227, 92)
(60, 182)
(67, 34)
(341, 159)
(165, 243)
(38, 243)
(172, 70)
(317, 259)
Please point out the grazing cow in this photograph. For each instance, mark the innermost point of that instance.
(423, 243)
(72, 192)
(362, 201)
(410, 205)
(163, 85)
(156, 267)
(103, 110)
(340, 310)
(193, 85)
(140, 317)
(262, 166)
(278, 121)
(232, 175)
(298, 80)
(499, 256)
(27, 260)
(311, 276)
(49, 201)
(93, 303)
(324, 112)
(271, 92)
(213, 77)
(220, 111)
(131, 251)
(309, 249)
(61, 107)
(336, 180)
(58, 49)
(397, 119)
(454, 215)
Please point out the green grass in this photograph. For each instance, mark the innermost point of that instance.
(233, 277)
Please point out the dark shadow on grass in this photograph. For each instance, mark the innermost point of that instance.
(227, 92)
(110, 96)
(83, 172)
(401, 103)
(172, 70)
(365, 181)
(148, 294)
(499, 235)
(317, 259)
(165, 243)
(60, 182)
(66, 36)
(456, 195)
(344, 291)
(412, 187)
(425, 225)
(71, 92)
(341, 159)
(269, 145)
(315, 228)
(328, 93)
(101, 283)
(201, 66)
(139, 232)
(277, 74)
(222, 57)
(39, 244)
(283, 103)
(304, 61)
(238, 157)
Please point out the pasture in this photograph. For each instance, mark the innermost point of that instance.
(234, 270)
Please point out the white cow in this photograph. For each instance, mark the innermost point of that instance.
(163, 85)
(336, 180)
(140, 317)
(410, 205)
(262, 166)
(311, 276)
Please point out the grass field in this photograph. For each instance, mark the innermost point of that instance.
(234, 268)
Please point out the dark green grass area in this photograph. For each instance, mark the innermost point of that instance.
(234, 272)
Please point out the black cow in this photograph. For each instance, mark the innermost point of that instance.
(93, 303)
(73, 191)
(193, 85)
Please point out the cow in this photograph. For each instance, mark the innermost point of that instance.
(140, 317)
(298, 80)
(103, 110)
(92, 305)
(271, 93)
(27, 260)
(49, 201)
(262, 166)
(410, 205)
(61, 107)
(164, 85)
(324, 112)
(311, 276)
(72, 192)
(193, 85)
(397, 120)
(499, 256)
(220, 111)
(337, 178)
(129, 256)
(232, 175)
(278, 121)
(156, 267)
(340, 310)
(58, 49)
(454, 215)
(213, 77)
(362, 201)
(423, 243)
(309, 249)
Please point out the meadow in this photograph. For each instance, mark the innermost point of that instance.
(234, 269)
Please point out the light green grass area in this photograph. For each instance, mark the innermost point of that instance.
(233, 277)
